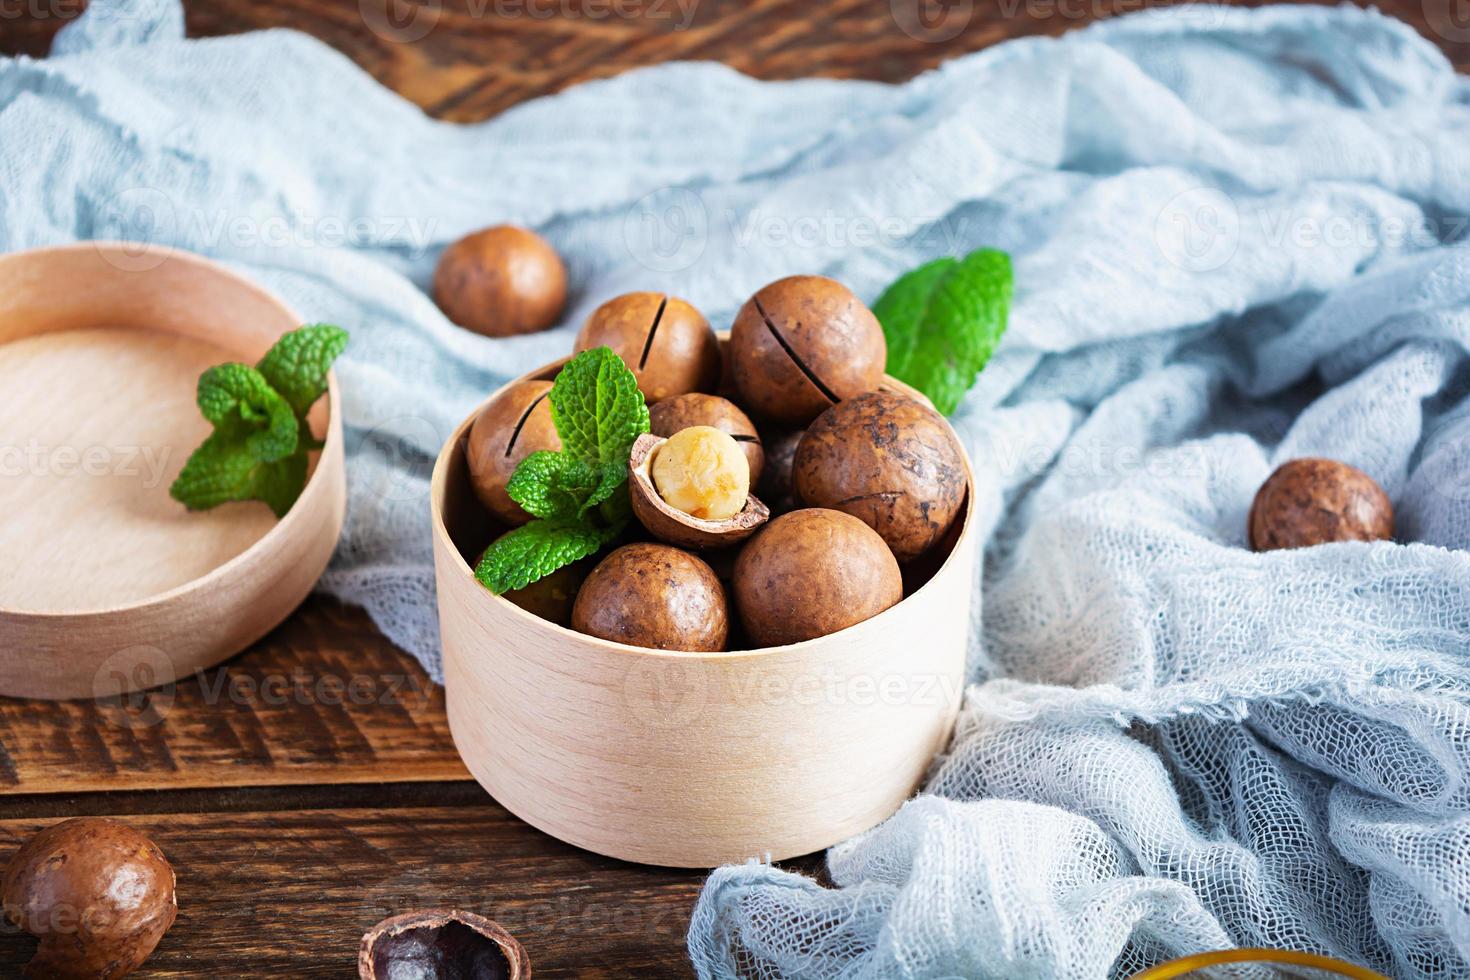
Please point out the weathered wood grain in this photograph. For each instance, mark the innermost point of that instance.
(323, 699)
(289, 893)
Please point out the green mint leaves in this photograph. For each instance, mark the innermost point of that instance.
(943, 320)
(579, 495)
(261, 437)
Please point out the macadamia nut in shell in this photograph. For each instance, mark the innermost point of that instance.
(684, 411)
(513, 426)
(501, 281)
(654, 595)
(667, 344)
(1308, 502)
(812, 572)
(800, 345)
(891, 462)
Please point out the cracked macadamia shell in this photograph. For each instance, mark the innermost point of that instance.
(1315, 501)
(510, 428)
(501, 281)
(667, 344)
(654, 595)
(812, 572)
(441, 944)
(801, 344)
(889, 461)
(98, 894)
(682, 412)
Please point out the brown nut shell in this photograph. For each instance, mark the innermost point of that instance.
(501, 282)
(667, 344)
(654, 595)
(673, 525)
(1315, 501)
(513, 426)
(800, 345)
(810, 573)
(888, 460)
(775, 486)
(441, 944)
(695, 408)
(98, 894)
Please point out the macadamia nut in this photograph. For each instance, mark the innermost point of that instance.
(513, 426)
(654, 595)
(501, 282)
(702, 472)
(1315, 501)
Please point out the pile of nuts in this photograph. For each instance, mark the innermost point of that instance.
(855, 484)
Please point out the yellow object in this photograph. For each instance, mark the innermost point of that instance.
(703, 472)
(1187, 965)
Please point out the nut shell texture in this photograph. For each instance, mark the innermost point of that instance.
(441, 944)
(98, 894)
(683, 411)
(1315, 501)
(667, 344)
(801, 344)
(510, 428)
(501, 281)
(891, 462)
(654, 595)
(812, 572)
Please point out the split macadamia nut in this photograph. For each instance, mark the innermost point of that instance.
(889, 461)
(98, 894)
(813, 572)
(654, 595)
(802, 344)
(441, 944)
(702, 472)
(683, 411)
(667, 344)
(501, 281)
(1316, 501)
(513, 426)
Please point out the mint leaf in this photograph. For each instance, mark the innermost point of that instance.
(224, 468)
(552, 485)
(238, 400)
(597, 407)
(943, 320)
(297, 365)
(537, 549)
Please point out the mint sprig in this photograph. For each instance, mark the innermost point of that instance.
(943, 320)
(579, 495)
(258, 450)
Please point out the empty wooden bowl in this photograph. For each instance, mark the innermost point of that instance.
(693, 760)
(107, 584)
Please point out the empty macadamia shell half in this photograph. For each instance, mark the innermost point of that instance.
(889, 461)
(667, 344)
(684, 411)
(810, 573)
(1309, 502)
(513, 426)
(656, 596)
(674, 526)
(98, 894)
(441, 944)
(802, 344)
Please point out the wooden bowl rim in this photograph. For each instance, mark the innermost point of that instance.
(314, 486)
(440, 478)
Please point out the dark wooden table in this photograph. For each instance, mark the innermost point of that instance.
(309, 787)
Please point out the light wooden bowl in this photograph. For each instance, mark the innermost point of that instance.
(107, 584)
(693, 760)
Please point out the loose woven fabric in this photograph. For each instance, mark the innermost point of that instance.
(1238, 239)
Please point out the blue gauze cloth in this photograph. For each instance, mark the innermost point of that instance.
(1238, 239)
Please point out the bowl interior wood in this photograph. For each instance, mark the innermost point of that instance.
(99, 362)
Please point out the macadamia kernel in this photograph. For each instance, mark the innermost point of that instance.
(702, 472)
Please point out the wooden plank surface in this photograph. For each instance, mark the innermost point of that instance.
(296, 812)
